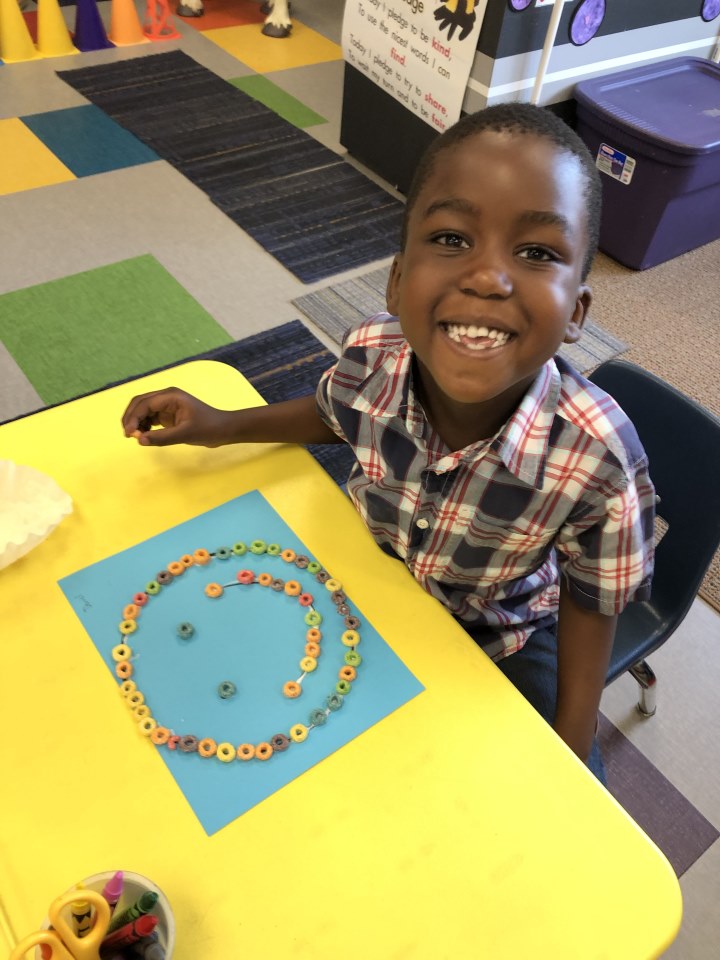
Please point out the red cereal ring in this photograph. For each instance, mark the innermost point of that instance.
(305, 599)
(173, 741)
(245, 576)
(207, 747)
(246, 751)
(263, 751)
(140, 599)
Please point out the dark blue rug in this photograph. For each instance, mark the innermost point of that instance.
(309, 208)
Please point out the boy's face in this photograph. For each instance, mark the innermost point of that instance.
(489, 284)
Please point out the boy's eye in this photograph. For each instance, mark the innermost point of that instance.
(538, 255)
(453, 240)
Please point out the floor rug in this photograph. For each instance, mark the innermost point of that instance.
(337, 308)
(315, 213)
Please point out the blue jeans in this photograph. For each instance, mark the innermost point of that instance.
(533, 670)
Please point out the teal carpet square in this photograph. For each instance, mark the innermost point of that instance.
(87, 141)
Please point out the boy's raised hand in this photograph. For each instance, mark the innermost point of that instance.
(183, 418)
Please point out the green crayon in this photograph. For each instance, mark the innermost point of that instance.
(144, 904)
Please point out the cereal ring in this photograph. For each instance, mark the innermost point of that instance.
(264, 579)
(128, 627)
(338, 597)
(317, 717)
(279, 742)
(298, 732)
(292, 689)
(201, 556)
(188, 743)
(225, 752)
(127, 687)
(343, 687)
(131, 611)
(313, 618)
(245, 576)
(312, 649)
(277, 584)
(164, 577)
(263, 751)
(352, 658)
(173, 741)
(333, 585)
(207, 747)
(239, 548)
(352, 623)
(258, 546)
(121, 652)
(160, 735)
(308, 664)
(343, 609)
(152, 588)
(140, 599)
(292, 588)
(187, 560)
(288, 555)
(223, 553)
(302, 562)
(213, 590)
(351, 638)
(274, 549)
(142, 711)
(176, 568)
(347, 673)
(322, 576)
(313, 567)
(246, 751)
(135, 699)
(305, 599)
(146, 726)
(313, 635)
(185, 630)
(123, 669)
(334, 701)
(227, 689)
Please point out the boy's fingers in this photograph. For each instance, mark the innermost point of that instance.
(142, 411)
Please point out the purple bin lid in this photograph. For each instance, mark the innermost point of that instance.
(675, 103)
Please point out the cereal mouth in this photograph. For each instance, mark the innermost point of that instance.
(477, 338)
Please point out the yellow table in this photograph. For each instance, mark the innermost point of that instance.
(460, 826)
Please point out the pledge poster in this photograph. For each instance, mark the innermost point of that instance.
(418, 51)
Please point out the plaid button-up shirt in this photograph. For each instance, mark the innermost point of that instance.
(563, 483)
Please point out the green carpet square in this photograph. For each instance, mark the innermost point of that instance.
(78, 334)
(285, 105)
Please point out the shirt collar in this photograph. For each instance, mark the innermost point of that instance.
(521, 443)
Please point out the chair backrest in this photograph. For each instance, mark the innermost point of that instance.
(682, 441)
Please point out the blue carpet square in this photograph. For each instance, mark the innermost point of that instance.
(87, 141)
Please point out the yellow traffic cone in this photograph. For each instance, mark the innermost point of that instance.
(125, 27)
(53, 35)
(15, 41)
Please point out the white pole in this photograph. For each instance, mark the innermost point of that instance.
(547, 49)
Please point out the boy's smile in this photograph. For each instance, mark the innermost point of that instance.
(489, 283)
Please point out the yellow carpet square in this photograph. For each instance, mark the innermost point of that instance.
(25, 161)
(265, 54)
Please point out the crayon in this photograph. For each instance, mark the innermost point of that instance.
(81, 912)
(144, 904)
(148, 949)
(113, 889)
(130, 933)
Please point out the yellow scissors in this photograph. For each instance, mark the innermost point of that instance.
(62, 939)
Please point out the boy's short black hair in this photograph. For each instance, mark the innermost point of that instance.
(523, 118)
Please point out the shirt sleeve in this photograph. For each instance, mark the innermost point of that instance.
(606, 554)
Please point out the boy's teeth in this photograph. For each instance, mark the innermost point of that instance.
(466, 334)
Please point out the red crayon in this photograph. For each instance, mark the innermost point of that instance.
(131, 932)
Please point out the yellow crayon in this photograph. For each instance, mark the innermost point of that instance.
(81, 912)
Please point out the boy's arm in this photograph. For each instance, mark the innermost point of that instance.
(185, 419)
(585, 639)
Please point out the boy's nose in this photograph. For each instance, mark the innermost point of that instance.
(486, 275)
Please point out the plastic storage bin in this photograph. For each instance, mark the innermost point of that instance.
(655, 133)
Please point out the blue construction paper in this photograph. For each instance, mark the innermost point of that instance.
(252, 636)
(87, 141)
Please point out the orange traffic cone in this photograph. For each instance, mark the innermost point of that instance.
(157, 21)
(125, 26)
(53, 35)
(15, 41)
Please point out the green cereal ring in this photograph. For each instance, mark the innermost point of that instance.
(239, 548)
(313, 618)
(343, 687)
(314, 567)
(274, 549)
(258, 546)
(152, 588)
(352, 658)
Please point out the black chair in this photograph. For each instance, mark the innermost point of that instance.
(682, 441)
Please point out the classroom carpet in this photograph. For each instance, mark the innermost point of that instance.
(339, 307)
(303, 203)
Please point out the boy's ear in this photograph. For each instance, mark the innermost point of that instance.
(392, 293)
(582, 306)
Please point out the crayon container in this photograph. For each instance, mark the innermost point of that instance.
(133, 886)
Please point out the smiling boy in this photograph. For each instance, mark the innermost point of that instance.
(515, 491)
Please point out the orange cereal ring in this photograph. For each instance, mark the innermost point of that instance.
(292, 689)
(160, 735)
(292, 588)
(313, 635)
(131, 612)
(288, 555)
(123, 669)
(213, 590)
(201, 556)
(264, 579)
(246, 751)
(207, 747)
(312, 649)
(347, 673)
(176, 567)
(263, 751)
(187, 560)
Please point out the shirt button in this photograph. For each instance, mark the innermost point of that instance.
(423, 524)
